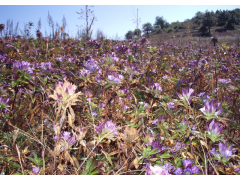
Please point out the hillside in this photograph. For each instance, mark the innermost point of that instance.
(189, 31)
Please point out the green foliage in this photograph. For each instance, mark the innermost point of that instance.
(147, 27)
(129, 35)
(37, 161)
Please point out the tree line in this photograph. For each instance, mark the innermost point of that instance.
(227, 19)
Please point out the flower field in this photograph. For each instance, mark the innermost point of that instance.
(118, 107)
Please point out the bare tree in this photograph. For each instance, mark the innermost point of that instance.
(39, 24)
(16, 29)
(64, 22)
(87, 14)
(99, 34)
(50, 23)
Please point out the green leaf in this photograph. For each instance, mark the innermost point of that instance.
(179, 164)
(165, 156)
(94, 172)
(33, 160)
(14, 164)
(88, 164)
(108, 85)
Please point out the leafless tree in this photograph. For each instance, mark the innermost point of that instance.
(87, 15)
(51, 23)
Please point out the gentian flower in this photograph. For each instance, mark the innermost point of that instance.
(23, 65)
(179, 171)
(224, 81)
(107, 128)
(189, 169)
(186, 95)
(187, 163)
(225, 152)
(171, 105)
(155, 87)
(214, 130)
(156, 170)
(66, 141)
(210, 110)
(116, 78)
(4, 103)
(46, 66)
(35, 170)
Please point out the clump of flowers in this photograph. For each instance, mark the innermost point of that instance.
(65, 97)
(214, 131)
(4, 104)
(188, 168)
(211, 110)
(156, 170)
(46, 66)
(23, 65)
(224, 81)
(84, 73)
(65, 141)
(186, 96)
(94, 43)
(122, 49)
(155, 88)
(115, 77)
(65, 93)
(92, 65)
(109, 129)
(225, 152)
(143, 40)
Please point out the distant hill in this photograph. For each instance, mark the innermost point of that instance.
(219, 23)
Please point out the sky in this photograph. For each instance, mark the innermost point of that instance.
(114, 20)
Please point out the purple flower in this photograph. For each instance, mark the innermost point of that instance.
(36, 170)
(214, 130)
(187, 163)
(46, 65)
(169, 167)
(224, 81)
(195, 169)
(94, 114)
(225, 152)
(66, 135)
(210, 109)
(188, 171)
(186, 95)
(106, 128)
(66, 141)
(143, 40)
(4, 103)
(178, 146)
(115, 77)
(155, 87)
(155, 122)
(9, 45)
(122, 49)
(203, 95)
(179, 171)
(171, 105)
(84, 73)
(23, 66)
(156, 170)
